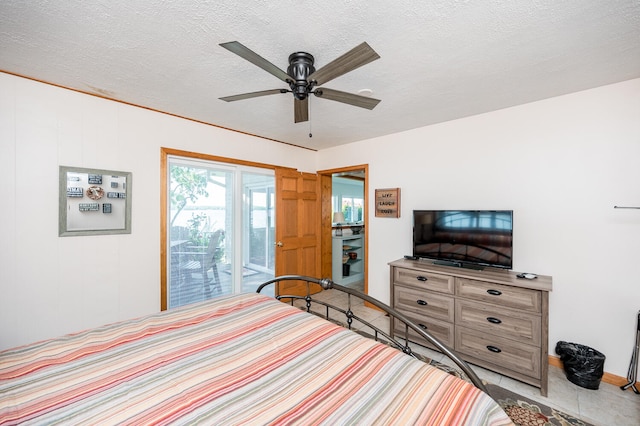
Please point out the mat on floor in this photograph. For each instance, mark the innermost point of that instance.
(524, 411)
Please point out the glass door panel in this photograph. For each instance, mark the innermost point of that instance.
(220, 229)
(200, 231)
(258, 229)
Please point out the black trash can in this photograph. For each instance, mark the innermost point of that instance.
(583, 366)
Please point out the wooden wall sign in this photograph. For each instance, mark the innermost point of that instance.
(388, 202)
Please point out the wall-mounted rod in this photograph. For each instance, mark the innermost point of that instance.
(625, 207)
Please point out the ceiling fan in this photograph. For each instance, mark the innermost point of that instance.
(303, 79)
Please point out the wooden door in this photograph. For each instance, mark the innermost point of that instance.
(297, 227)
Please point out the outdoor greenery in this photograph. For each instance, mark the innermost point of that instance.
(187, 184)
(356, 217)
(197, 224)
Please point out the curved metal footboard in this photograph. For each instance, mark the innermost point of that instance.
(401, 343)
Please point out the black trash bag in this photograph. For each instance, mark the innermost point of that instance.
(583, 366)
(346, 269)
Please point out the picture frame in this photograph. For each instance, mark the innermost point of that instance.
(387, 202)
(94, 202)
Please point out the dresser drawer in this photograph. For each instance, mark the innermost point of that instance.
(501, 353)
(440, 330)
(500, 295)
(425, 280)
(487, 318)
(423, 303)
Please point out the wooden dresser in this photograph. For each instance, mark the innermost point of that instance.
(490, 317)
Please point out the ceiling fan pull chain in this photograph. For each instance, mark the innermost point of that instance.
(310, 134)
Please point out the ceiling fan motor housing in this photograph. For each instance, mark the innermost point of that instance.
(300, 67)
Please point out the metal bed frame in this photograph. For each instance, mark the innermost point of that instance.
(397, 340)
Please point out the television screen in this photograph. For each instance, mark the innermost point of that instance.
(464, 237)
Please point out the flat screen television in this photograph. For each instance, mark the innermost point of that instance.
(464, 238)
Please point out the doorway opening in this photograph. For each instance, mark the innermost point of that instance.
(345, 244)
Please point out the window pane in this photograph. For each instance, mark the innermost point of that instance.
(358, 209)
(213, 250)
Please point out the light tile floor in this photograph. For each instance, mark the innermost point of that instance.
(607, 406)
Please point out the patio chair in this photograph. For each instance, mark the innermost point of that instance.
(201, 263)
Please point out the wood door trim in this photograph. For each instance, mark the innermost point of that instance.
(216, 158)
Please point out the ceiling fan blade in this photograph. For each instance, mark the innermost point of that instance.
(347, 98)
(248, 54)
(355, 58)
(252, 95)
(301, 110)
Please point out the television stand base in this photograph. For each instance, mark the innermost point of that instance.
(458, 264)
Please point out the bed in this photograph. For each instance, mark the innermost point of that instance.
(238, 359)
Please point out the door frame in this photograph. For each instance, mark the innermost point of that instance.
(165, 153)
(326, 219)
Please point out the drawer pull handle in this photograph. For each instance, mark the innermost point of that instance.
(494, 320)
(421, 278)
(421, 302)
(494, 292)
(423, 326)
(494, 349)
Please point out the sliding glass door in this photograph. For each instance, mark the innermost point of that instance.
(219, 231)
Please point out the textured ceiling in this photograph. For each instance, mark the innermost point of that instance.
(440, 60)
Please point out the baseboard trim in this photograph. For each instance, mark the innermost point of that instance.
(612, 379)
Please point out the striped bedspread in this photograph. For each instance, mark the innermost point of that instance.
(241, 359)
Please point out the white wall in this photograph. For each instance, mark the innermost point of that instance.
(561, 165)
(51, 285)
